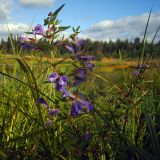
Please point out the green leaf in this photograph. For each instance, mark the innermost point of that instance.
(28, 32)
(73, 29)
(77, 29)
(154, 139)
(45, 22)
(63, 28)
(46, 82)
(51, 20)
(30, 135)
(142, 153)
(57, 11)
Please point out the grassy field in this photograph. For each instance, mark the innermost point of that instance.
(77, 108)
(123, 125)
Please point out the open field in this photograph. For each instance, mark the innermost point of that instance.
(82, 106)
(123, 124)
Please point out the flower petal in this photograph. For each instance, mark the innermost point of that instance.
(76, 108)
(48, 123)
(63, 80)
(89, 106)
(43, 101)
(53, 77)
(71, 48)
(39, 30)
(54, 112)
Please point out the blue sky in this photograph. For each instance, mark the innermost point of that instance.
(99, 19)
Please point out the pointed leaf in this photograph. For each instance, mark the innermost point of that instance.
(63, 28)
(58, 10)
(28, 32)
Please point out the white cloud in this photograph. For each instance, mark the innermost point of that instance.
(14, 28)
(126, 27)
(19, 29)
(5, 7)
(42, 3)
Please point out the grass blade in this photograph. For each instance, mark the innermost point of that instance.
(154, 139)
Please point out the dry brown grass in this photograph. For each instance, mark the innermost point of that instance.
(109, 62)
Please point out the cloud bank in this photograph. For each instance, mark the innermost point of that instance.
(124, 28)
(14, 28)
(128, 27)
(36, 3)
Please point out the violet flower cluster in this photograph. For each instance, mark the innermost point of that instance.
(62, 81)
(26, 42)
(49, 34)
(78, 103)
(61, 84)
(140, 67)
(85, 61)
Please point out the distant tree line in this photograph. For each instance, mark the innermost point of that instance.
(100, 49)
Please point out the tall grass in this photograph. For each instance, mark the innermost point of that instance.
(124, 123)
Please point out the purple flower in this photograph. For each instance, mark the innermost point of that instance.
(80, 76)
(81, 73)
(63, 80)
(61, 83)
(139, 66)
(65, 92)
(28, 47)
(76, 108)
(43, 101)
(87, 58)
(53, 77)
(54, 112)
(48, 123)
(89, 106)
(136, 73)
(71, 48)
(50, 14)
(75, 48)
(77, 81)
(23, 39)
(39, 30)
(79, 43)
(59, 87)
(90, 66)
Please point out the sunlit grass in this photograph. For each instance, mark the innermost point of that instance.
(123, 123)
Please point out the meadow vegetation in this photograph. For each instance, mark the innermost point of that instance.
(77, 107)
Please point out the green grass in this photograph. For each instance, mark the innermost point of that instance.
(124, 124)
(120, 126)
